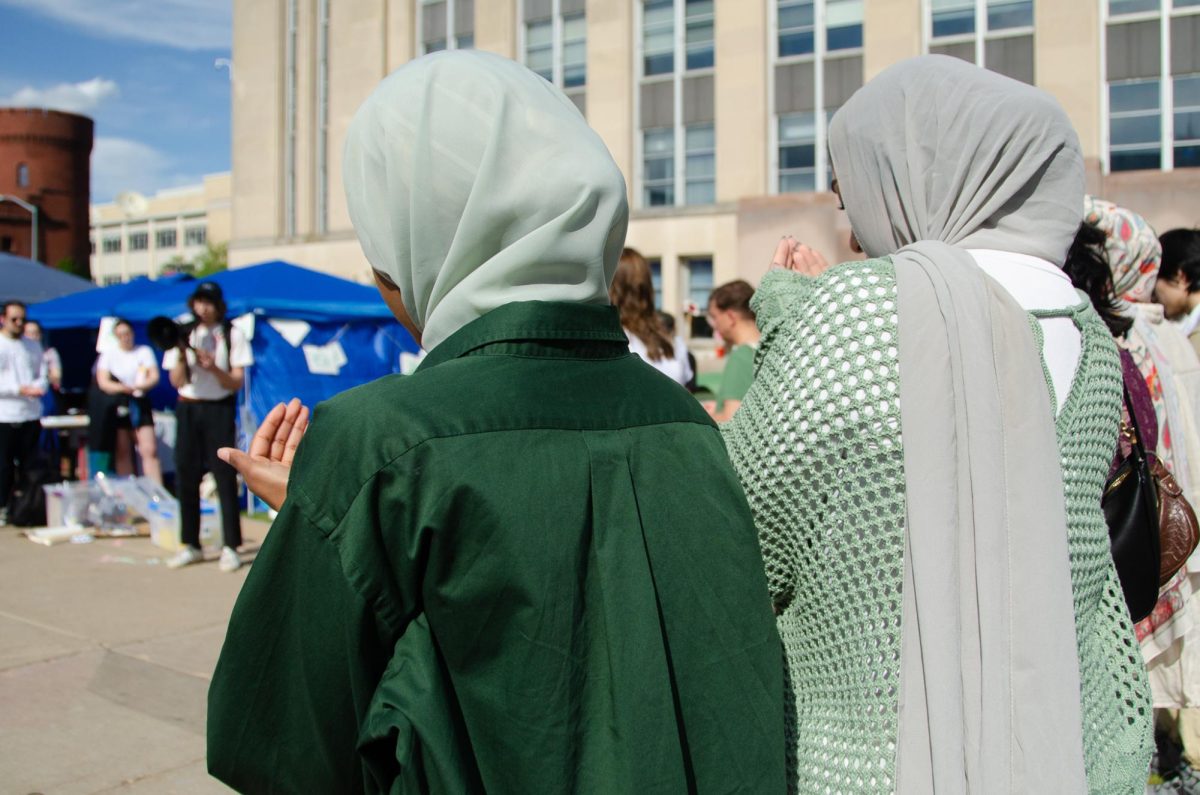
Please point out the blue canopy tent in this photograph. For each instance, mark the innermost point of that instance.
(28, 281)
(72, 321)
(86, 310)
(314, 335)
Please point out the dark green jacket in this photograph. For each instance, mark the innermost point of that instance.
(526, 568)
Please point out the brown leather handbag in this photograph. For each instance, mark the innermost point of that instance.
(1151, 527)
(1178, 531)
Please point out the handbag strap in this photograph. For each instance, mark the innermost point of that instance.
(1133, 433)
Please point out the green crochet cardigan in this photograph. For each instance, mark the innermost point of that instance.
(817, 445)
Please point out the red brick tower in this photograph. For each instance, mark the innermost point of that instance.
(45, 161)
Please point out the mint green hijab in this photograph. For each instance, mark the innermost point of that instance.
(472, 183)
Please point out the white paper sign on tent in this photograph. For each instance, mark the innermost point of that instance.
(326, 359)
(105, 340)
(410, 361)
(294, 331)
(245, 324)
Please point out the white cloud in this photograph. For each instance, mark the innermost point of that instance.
(72, 97)
(182, 24)
(122, 164)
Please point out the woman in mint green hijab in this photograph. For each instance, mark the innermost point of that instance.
(528, 567)
(929, 507)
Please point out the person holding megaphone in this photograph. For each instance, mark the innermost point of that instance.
(207, 366)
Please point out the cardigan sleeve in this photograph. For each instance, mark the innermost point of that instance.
(821, 397)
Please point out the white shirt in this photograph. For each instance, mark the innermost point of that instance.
(132, 368)
(1038, 284)
(1188, 323)
(211, 339)
(21, 364)
(678, 369)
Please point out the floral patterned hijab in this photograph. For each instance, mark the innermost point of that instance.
(1134, 253)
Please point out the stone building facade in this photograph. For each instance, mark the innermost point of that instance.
(716, 110)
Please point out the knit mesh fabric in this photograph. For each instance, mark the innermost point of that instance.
(817, 446)
(1116, 704)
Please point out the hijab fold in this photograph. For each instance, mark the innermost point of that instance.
(472, 183)
(935, 156)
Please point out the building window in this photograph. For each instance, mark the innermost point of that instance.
(1187, 121)
(22, 175)
(112, 244)
(797, 153)
(165, 238)
(658, 37)
(139, 241)
(698, 22)
(112, 279)
(1152, 68)
(658, 167)
(700, 164)
(92, 245)
(796, 27)
(445, 25)
(995, 34)
(1134, 125)
(698, 284)
(555, 44)
(655, 264)
(817, 65)
(675, 104)
(195, 236)
(843, 25)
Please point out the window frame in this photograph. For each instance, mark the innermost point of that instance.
(818, 57)
(558, 44)
(1165, 12)
(981, 34)
(676, 77)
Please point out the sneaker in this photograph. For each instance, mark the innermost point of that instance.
(229, 560)
(184, 557)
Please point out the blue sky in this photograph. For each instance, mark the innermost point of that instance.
(143, 69)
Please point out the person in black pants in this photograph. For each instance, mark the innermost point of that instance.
(22, 384)
(208, 369)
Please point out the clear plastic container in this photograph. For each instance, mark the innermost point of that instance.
(165, 529)
(67, 503)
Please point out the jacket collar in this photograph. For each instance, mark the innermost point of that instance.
(527, 321)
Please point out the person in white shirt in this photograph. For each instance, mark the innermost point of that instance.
(33, 331)
(208, 376)
(632, 293)
(22, 384)
(130, 372)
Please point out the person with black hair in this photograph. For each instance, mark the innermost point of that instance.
(208, 369)
(1178, 286)
(22, 384)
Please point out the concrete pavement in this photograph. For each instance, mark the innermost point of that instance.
(105, 660)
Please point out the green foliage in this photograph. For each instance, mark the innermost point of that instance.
(81, 269)
(176, 264)
(214, 260)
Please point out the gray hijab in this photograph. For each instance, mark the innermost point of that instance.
(935, 156)
(937, 149)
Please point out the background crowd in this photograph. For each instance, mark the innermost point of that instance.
(913, 455)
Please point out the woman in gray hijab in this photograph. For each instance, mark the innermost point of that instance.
(924, 449)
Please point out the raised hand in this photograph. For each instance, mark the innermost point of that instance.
(267, 465)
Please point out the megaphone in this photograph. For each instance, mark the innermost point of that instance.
(165, 333)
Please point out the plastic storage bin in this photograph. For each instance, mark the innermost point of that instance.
(165, 530)
(67, 503)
